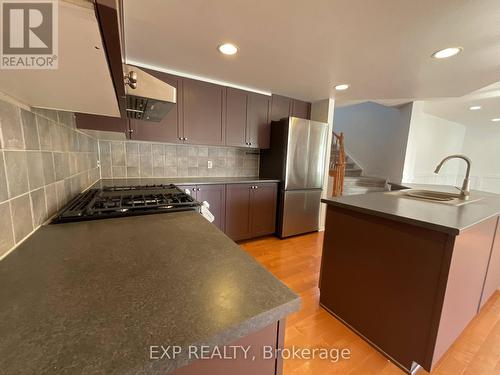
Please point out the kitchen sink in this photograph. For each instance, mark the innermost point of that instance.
(452, 199)
(432, 195)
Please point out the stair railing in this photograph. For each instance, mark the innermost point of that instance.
(337, 166)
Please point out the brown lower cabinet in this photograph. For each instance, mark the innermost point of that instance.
(215, 195)
(271, 337)
(263, 209)
(250, 210)
(242, 211)
(238, 211)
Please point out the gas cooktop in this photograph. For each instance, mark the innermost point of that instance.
(117, 201)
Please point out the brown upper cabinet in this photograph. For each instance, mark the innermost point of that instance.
(203, 109)
(236, 117)
(247, 119)
(282, 107)
(258, 123)
(169, 129)
(300, 109)
(104, 123)
(207, 114)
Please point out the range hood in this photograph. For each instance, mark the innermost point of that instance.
(147, 97)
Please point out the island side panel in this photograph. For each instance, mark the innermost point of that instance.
(465, 283)
(492, 281)
(385, 280)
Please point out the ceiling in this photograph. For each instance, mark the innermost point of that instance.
(457, 109)
(301, 48)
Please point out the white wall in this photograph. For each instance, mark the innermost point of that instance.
(430, 140)
(406, 144)
(482, 145)
(376, 137)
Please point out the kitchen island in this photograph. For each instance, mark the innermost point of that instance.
(409, 275)
(107, 296)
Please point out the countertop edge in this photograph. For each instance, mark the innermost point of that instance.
(231, 335)
(407, 220)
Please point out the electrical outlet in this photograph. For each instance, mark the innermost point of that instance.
(209, 166)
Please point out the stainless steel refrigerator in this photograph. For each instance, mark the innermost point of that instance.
(296, 157)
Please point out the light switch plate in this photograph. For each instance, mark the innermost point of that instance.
(209, 166)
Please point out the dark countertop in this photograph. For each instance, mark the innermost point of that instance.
(183, 181)
(431, 215)
(92, 297)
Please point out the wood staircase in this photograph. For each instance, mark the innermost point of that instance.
(348, 178)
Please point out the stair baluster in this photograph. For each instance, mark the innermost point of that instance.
(337, 166)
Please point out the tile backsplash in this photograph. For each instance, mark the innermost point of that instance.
(144, 159)
(44, 162)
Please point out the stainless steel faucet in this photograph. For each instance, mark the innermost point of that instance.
(465, 190)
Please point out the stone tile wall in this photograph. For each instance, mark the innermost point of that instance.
(44, 162)
(144, 159)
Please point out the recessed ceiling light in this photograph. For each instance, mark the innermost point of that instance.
(495, 119)
(447, 52)
(475, 108)
(342, 87)
(228, 49)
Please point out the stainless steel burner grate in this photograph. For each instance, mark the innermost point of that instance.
(116, 201)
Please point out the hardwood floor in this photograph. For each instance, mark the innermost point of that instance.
(296, 261)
